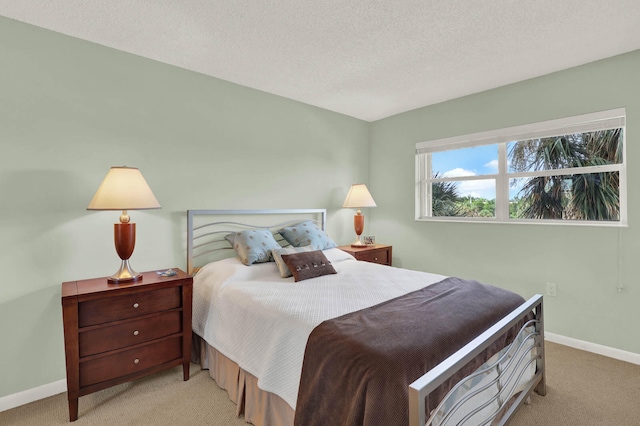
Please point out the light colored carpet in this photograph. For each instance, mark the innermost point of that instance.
(161, 399)
(583, 389)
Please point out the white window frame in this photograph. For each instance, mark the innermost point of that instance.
(584, 123)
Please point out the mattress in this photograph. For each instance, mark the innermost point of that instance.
(262, 321)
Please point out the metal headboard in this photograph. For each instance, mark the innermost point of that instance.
(206, 229)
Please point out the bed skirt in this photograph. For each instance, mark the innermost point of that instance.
(259, 407)
(263, 408)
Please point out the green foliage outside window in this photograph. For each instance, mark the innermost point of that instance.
(581, 196)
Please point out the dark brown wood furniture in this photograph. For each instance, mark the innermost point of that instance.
(115, 333)
(375, 253)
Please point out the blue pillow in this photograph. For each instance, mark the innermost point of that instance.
(307, 233)
(253, 245)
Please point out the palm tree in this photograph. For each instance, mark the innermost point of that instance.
(444, 198)
(545, 196)
(596, 196)
(593, 196)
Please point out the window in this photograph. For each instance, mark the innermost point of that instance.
(570, 170)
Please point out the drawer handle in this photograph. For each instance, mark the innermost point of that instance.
(375, 258)
(135, 361)
(135, 305)
(135, 333)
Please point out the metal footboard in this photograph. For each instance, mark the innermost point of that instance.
(488, 396)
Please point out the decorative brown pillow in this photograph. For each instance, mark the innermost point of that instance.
(308, 264)
(277, 256)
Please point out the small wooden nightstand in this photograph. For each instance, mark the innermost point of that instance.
(115, 333)
(376, 253)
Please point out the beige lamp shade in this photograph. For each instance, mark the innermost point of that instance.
(124, 188)
(358, 197)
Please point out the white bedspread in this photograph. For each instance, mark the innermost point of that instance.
(262, 321)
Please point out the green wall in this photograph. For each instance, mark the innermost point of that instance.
(586, 263)
(70, 109)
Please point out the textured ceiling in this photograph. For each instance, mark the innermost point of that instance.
(364, 58)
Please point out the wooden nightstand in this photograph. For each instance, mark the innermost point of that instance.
(376, 253)
(115, 333)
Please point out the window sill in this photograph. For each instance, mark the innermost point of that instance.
(605, 224)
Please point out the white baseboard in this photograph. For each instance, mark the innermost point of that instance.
(21, 398)
(614, 353)
(45, 391)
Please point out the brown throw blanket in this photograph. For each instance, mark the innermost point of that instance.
(357, 368)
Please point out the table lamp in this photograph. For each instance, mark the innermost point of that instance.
(124, 188)
(357, 198)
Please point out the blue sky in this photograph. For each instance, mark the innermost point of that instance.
(476, 161)
(480, 160)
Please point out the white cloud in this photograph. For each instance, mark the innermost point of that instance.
(493, 165)
(458, 173)
(485, 188)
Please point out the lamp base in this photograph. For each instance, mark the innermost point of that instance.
(125, 274)
(358, 242)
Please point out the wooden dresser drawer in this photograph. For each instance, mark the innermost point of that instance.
(375, 256)
(100, 311)
(130, 361)
(129, 333)
(115, 333)
(375, 253)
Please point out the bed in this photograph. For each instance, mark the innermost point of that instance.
(275, 344)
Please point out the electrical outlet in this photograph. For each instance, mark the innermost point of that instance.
(551, 289)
